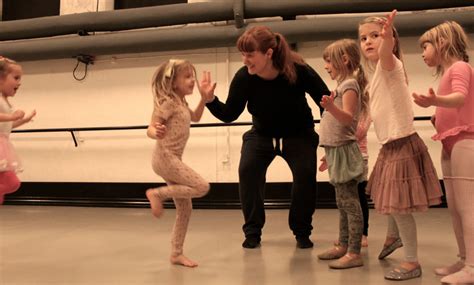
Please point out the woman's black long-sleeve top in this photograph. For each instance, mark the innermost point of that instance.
(279, 109)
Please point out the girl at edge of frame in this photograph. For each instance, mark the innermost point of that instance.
(445, 47)
(10, 81)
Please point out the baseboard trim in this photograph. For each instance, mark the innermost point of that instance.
(132, 195)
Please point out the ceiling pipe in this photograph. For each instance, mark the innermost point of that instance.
(154, 40)
(239, 13)
(116, 20)
(269, 8)
(178, 14)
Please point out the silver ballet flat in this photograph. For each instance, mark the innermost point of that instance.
(387, 250)
(400, 274)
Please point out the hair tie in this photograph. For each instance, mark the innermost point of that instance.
(169, 68)
(277, 38)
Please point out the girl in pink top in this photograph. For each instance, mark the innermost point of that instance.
(10, 81)
(445, 47)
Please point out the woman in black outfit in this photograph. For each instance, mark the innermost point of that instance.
(273, 84)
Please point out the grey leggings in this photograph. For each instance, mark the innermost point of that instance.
(351, 222)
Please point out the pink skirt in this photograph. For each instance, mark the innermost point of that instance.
(404, 179)
(8, 159)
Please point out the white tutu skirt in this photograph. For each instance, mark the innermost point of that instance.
(8, 159)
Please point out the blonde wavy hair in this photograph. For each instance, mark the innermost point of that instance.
(449, 41)
(344, 56)
(5, 65)
(164, 78)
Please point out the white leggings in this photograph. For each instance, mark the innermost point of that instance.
(404, 225)
(458, 172)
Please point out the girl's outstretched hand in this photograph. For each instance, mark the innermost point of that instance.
(206, 87)
(327, 102)
(19, 118)
(387, 29)
(30, 117)
(425, 100)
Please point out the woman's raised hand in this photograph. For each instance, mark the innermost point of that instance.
(206, 87)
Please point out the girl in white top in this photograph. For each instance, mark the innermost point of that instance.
(404, 179)
(10, 81)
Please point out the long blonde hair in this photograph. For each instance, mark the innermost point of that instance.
(164, 77)
(449, 41)
(344, 56)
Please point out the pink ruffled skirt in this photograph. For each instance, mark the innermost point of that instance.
(8, 159)
(404, 179)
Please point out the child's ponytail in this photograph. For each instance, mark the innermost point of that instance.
(362, 81)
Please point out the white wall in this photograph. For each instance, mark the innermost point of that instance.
(117, 92)
(81, 6)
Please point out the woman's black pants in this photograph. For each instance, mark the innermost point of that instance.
(256, 155)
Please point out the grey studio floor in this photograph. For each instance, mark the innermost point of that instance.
(75, 245)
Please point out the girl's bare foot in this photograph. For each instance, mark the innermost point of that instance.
(182, 260)
(155, 202)
(364, 242)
